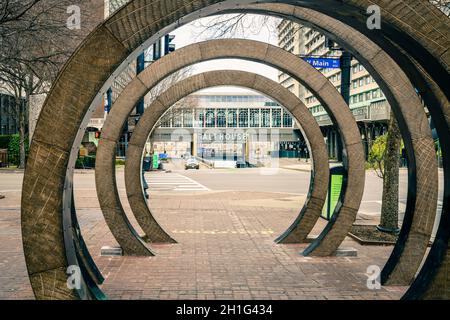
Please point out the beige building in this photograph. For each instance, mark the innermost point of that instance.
(215, 125)
(367, 101)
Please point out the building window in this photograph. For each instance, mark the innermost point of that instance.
(201, 118)
(165, 121)
(210, 118)
(177, 119)
(221, 118)
(232, 118)
(265, 118)
(188, 118)
(375, 94)
(243, 118)
(276, 118)
(287, 120)
(254, 118)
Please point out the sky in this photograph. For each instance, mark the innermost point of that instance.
(189, 34)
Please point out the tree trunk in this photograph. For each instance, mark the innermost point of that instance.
(20, 122)
(22, 135)
(389, 209)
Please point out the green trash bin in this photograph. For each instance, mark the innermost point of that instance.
(337, 174)
(155, 164)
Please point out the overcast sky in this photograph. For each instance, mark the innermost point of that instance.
(188, 34)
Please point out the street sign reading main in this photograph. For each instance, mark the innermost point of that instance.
(324, 62)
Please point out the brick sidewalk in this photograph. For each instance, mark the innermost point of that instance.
(225, 251)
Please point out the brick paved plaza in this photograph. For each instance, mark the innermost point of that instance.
(225, 251)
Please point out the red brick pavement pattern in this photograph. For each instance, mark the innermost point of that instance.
(225, 251)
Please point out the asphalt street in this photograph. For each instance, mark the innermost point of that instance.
(205, 180)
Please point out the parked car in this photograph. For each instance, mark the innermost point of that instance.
(192, 163)
(241, 164)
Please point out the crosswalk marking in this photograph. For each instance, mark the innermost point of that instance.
(172, 182)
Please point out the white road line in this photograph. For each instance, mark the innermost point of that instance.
(174, 182)
(179, 183)
(206, 188)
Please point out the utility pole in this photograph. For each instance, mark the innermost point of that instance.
(346, 67)
(157, 50)
(169, 47)
(140, 66)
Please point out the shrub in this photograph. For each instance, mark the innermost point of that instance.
(87, 162)
(14, 149)
(4, 141)
(377, 154)
(120, 162)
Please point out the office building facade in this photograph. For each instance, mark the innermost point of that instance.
(367, 102)
(250, 127)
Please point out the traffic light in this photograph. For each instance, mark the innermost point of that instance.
(98, 135)
(168, 46)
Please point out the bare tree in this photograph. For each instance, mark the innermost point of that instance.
(14, 10)
(35, 42)
(443, 5)
(241, 25)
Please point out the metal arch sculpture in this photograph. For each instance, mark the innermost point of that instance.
(195, 53)
(405, 259)
(409, 250)
(318, 193)
(47, 246)
(282, 60)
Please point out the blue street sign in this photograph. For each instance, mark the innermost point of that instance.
(324, 62)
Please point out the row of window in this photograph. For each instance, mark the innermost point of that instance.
(357, 98)
(355, 84)
(227, 98)
(311, 43)
(357, 68)
(367, 96)
(362, 81)
(228, 118)
(313, 99)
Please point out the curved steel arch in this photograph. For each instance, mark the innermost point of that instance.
(421, 209)
(398, 254)
(42, 203)
(405, 259)
(275, 57)
(311, 212)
